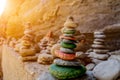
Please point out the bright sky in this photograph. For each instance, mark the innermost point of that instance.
(2, 5)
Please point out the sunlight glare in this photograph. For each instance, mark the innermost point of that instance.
(2, 6)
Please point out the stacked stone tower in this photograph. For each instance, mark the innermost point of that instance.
(99, 49)
(66, 67)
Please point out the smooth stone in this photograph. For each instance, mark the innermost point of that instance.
(80, 55)
(98, 56)
(99, 40)
(45, 59)
(68, 31)
(98, 46)
(66, 63)
(64, 56)
(98, 33)
(107, 70)
(90, 66)
(88, 76)
(117, 52)
(96, 61)
(68, 41)
(66, 50)
(65, 72)
(68, 45)
(68, 35)
(100, 51)
(68, 38)
(98, 43)
(99, 36)
(117, 57)
(46, 76)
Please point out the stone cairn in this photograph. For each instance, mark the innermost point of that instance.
(99, 49)
(25, 46)
(45, 45)
(65, 66)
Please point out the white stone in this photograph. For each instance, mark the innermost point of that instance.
(107, 70)
(117, 57)
(90, 66)
(98, 42)
(98, 32)
(96, 61)
(99, 36)
(98, 56)
(96, 46)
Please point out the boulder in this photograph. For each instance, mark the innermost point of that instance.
(107, 70)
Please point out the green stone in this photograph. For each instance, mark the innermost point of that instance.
(68, 45)
(66, 72)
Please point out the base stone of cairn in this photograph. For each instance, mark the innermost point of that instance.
(100, 51)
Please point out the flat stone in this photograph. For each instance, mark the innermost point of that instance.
(80, 55)
(90, 66)
(99, 40)
(107, 70)
(98, 33)
(68, 35)
(99, 36)
(66, 63)
(98, 46)
(100, 51)
(98, 56)
(66, 50)
(96, 61)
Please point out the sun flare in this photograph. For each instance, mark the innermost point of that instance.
(2, 5)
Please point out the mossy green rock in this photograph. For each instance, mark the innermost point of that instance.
(65, 73)
(68, 45)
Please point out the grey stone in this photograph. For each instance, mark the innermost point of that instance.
(98, 56)
(98, 46)
(90, 66)
(99, 36)
(117, 57)
(46, 76)
(107, 70)
(98, 33)
(66, 63)
(66, 50)
(99, 40)
(100, 51)
(96, 61)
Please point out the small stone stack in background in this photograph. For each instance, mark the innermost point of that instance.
(25, 45)
(99, 49)
(66, 67)
(45, 45)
